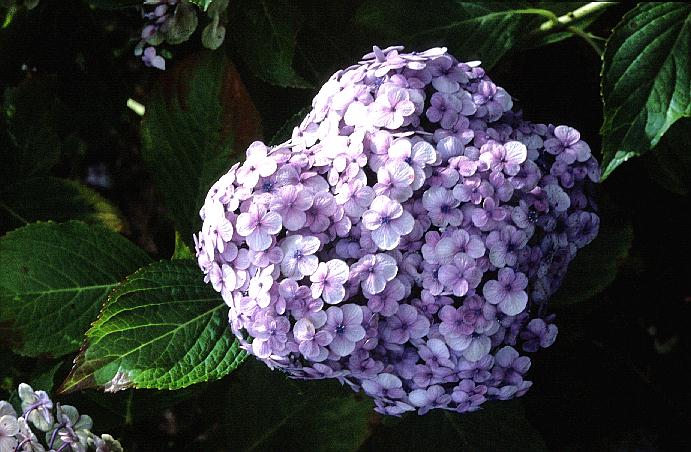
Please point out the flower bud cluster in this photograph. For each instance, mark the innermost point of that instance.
(159, 15)
(173, 22)
(407, 237)
(64, 428)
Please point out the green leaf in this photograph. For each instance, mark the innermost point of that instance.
(162, 328)
(181, 251)
(286, 130)
(203, 4)
(114, 4)
(33, 145)
(132, 406)
(264, 32)
(54, 277)
(595, 266)
(196, 114)
(671, 166)
(52, 198)
(646, 79)
(43, 376)
(499, 425)
(483, 31)
(213, 34)
(268, 411)
(182, 24)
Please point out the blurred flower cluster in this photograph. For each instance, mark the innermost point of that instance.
(173, 22)
(407, 237)
(63, 428)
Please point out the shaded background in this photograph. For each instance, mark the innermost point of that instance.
(617, 377)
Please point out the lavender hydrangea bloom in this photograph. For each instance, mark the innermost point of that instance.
(444, 109)
(291, 203)
(567, 145)
(9, 427)
(299, 259)
(508, 291)
(312, 344)
(151, 59)
(406, 324)
(36, 406)
(258, 225)
(406, 239)
(327, 281)
(460, 275)
(159, 15)
(65, 429)
(388, 221)
(374, 271)
(391, 108)
(345, 325)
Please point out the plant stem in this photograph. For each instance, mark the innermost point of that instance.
(588, 38)
(567, 19)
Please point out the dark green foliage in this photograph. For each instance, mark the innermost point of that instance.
(264, 32)
(52, 198)
(498, 426)
(32, 145)
(596, 265)
(54, 278)
(483, 31)
(162, 328)
(646, 79)
(293, 415)
(188, 133)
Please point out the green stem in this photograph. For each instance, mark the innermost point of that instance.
(587, 37)
(13, 213)
(567, 19)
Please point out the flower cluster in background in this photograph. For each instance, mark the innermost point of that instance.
(406, 239)
(62, 427)
(173, 22)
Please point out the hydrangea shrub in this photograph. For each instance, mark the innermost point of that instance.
(406, 239)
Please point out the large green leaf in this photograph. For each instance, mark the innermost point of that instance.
(54, 277)
(483, 31)
(595, 266)
(498, 426)
(268, 411)
(264, 32)
(52, 198)
(162, 328)
(671, 166)
(195, 117)
(646, 79)
(33, 145)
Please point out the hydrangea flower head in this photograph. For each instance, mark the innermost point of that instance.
(65, 428)
(406, 239)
